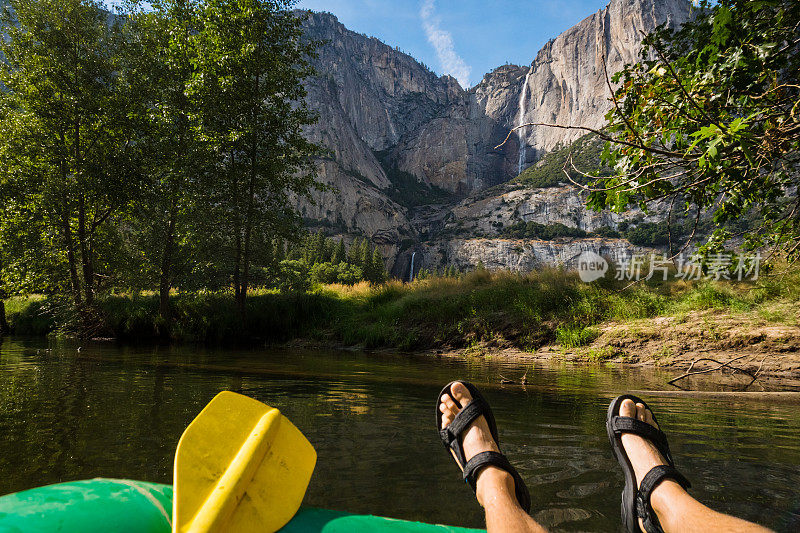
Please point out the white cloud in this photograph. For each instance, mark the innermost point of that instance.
(442, 41)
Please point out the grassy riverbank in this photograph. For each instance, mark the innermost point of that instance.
(477, 311)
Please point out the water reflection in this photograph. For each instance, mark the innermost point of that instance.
(119, 411)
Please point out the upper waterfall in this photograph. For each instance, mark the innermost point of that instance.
(520, 132)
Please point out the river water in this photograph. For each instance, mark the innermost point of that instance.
(105, 410)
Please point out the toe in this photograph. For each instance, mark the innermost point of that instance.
(448, 408)
(640, 409)
(460, 393)
(447, 416)
(627, 408)
(648, 417)
(448, 401)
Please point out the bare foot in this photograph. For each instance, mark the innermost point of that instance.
(642, 453)
(477, 438)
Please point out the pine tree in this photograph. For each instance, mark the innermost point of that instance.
(279, 251)
(353, 251)
(268, 253)
(339, 253)
(377, 267)
(307, 246)
(327, 251)
(365, 255)
(317, 248)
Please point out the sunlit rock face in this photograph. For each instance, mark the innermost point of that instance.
(381, 111)
(471, 231)
(383, 92)
(367, 96)
(568, 84)
(517, 255)
(488, 213)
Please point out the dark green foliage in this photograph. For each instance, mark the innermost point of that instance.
(481, 306)
(293, 276)
(649, 234)
(534, 230)
(708, 121)
(327, 261)
(339, 253)
(377, 271)
(607, 232)
(250, 64)
(549, 171)
(343, 273)
(66, 160)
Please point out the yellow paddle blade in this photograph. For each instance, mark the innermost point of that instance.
(240, 466)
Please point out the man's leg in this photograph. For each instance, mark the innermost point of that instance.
(495, 487)
(676, 509)
(503, 513)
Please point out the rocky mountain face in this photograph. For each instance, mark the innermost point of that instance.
(474, 230)
(389, 123)
(516, 255)
(565, 84)
(567, 81)
(368, 96)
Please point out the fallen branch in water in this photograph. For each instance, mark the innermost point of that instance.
(523, 380)
(691, 372)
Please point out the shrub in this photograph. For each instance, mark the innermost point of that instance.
(344, 273)
(606, 231)
(574, 336)
(534, 230)
(650, 234)
(294, 276)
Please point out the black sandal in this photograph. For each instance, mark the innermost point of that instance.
(636, 503)
(451, 438)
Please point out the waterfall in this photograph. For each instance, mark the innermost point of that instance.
(411, 274)
(520, 132)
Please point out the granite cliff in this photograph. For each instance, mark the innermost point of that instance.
(391, 125)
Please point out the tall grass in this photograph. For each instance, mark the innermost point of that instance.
(525, 310)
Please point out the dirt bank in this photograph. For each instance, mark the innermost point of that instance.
(767, 350)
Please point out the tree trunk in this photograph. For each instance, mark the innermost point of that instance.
(4, 327)
(237, 265)
(73, 267)
(88, 274)
(248, 230)
(86, 255)
(249, 215)
(245, 267)
(166, 261)
(237, 229)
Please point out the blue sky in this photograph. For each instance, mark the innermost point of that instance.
(464, 38)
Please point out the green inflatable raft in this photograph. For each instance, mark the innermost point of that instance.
(125, 506)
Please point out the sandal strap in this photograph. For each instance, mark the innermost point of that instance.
(484, 459)
(462, 421)
(627, 424)
(651, 480)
